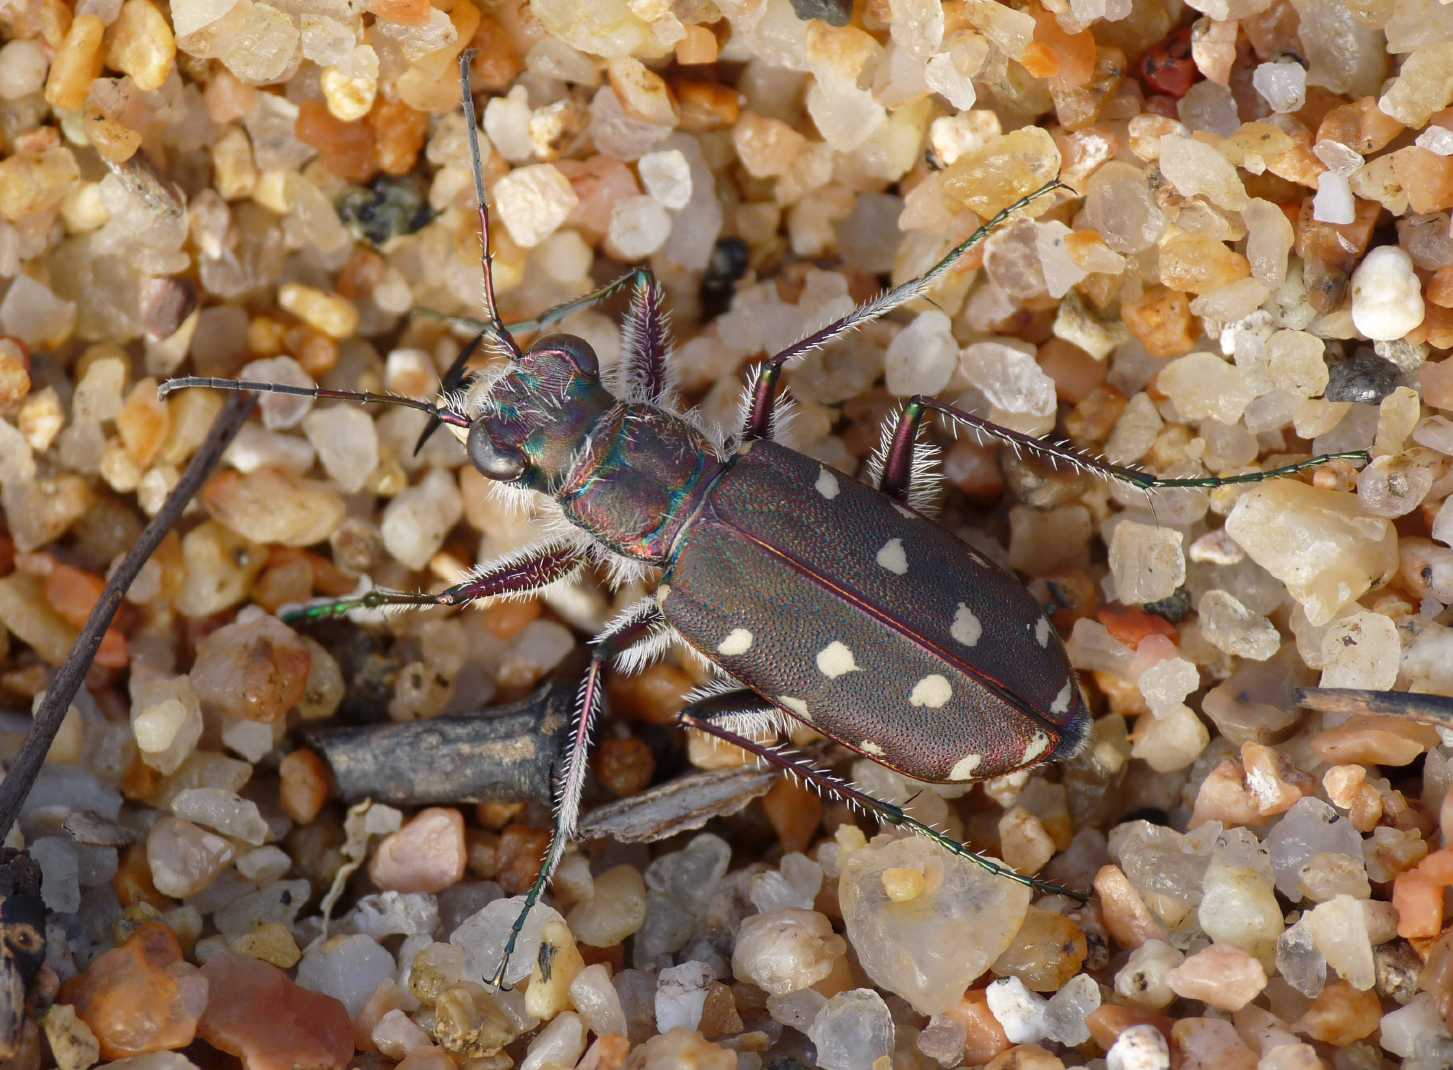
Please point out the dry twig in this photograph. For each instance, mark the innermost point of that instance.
(20, 777)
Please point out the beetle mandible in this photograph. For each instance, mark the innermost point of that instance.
(819, 599)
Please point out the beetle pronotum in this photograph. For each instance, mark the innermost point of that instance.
(888, 635)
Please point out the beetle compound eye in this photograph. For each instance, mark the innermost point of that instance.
(503, 464)
(576, 350)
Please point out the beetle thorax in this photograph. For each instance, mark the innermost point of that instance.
(639, 481)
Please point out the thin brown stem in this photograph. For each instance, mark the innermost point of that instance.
(20, 777)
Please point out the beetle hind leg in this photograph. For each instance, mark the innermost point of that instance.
(737, 709)
(801, 768)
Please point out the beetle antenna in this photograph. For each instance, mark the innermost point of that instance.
(486, 259)
(254, 386)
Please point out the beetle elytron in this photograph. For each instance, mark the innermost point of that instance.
(819, 599)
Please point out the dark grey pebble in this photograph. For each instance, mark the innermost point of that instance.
(387, 208)
(1363, 378)
(832, 12)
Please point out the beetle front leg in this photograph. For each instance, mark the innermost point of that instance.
(518, 574)
(646, 345)
(641, 627)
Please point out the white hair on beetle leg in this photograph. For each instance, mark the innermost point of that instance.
(620, 570)
(516, 557)
(925, 481)
(646, 325)
(569, 787)
(762, 724)
(646, 650)
(1058, 454)
(784, 409)
(722, 683)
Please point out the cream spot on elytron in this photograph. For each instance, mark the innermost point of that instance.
(1037, 746)
(827, 484)
(738, 641)
(966, 627)
(893, 558)
(835, 659)
(932, 691)
(1062, 700)
(964, 768)
(867, 746)
(796, 705)
(1041, 631)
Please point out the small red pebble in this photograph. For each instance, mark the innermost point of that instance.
(1168, 68)
(1437, 867)
(72, 593)
(140, 997)
(1419, 905)
(427, 855)
(255, 1012)
(1129, 624)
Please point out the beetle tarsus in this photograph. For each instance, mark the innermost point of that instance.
(983, 861)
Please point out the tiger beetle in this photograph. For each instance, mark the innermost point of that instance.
(818, 599)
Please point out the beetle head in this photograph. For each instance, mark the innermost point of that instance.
(537, 413)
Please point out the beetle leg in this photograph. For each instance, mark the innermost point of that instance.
(801, 768)
(642, 625)
(645, 368)
(645, 334)
(1063, 454)
(742, 711)
(517, 574)
(904, 465)
(640, 278)
(764, 390)
(553, 314)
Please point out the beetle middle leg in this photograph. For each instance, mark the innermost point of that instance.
(901, 452)
(763, 397)
(632, 638)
